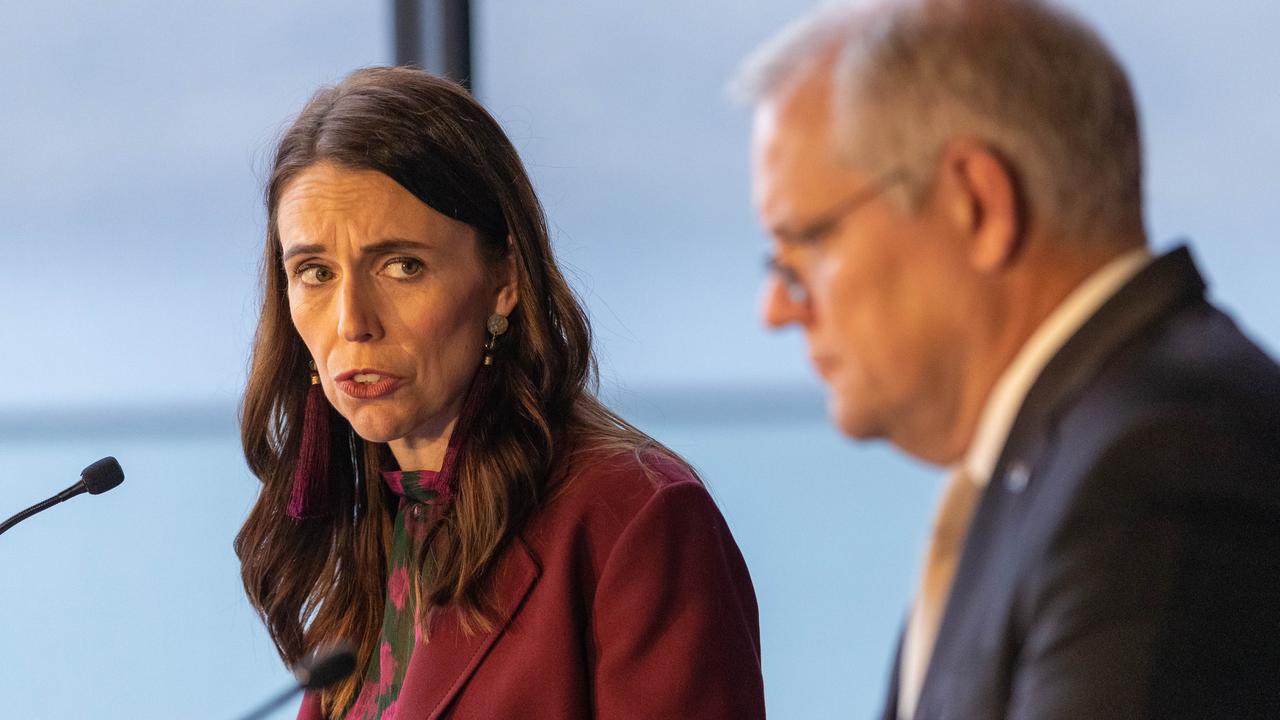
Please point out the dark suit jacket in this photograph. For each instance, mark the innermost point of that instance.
(1124, 561)
(625, 597)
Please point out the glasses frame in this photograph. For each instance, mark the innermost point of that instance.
(815, 231)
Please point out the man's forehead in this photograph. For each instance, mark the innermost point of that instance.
(780, 136)
(806, 99)
(794, 142)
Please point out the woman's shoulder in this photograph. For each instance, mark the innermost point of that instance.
(607, 482)
(626, 467)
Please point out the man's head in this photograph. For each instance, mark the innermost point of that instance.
(935, 176)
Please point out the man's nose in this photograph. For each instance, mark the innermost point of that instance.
(778, 308)
(357, 314)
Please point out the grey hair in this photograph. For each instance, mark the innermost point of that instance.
(1032, 83)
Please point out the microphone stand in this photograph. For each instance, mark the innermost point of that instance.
(274, 703)
(96, 479)
(45, 505)
(321, 670)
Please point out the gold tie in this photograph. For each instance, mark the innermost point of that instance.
(949, 529)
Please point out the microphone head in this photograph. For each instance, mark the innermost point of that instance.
(102, 475)
(326, 668)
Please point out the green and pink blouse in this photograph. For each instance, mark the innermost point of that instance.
(423, 497)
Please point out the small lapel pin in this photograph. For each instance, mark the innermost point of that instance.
(1015, 480)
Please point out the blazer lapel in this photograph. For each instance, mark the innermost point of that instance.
(443, 663)
(890, 711)
(1166, 284)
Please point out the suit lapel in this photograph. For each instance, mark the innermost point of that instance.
(890, 711)
(966, 592)
(443, 663)
(1167, 283)
(1164, 285)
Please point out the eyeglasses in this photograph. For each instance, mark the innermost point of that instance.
(820, 228)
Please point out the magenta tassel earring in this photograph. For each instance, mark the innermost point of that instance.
(310, 495)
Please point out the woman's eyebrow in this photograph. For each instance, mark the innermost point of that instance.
(302, 250)
(396, 245)
(382, 246)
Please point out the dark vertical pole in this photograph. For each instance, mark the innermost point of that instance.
(435, 35)
(455, 36)
(407, 31)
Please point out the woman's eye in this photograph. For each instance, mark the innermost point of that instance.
(314, 274)
(403, 268)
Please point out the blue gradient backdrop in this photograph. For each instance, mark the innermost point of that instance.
(134, 138)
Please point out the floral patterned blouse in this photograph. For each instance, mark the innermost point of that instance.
(423, 494)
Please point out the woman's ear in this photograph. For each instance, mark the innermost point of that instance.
(507, 281)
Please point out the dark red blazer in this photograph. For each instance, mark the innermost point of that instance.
(625, 597)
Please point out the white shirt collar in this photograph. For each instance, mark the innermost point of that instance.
(1011, 389)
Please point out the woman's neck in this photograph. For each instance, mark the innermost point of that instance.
(425, 451)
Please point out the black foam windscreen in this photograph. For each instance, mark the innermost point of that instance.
(325, 669)
(102, 475)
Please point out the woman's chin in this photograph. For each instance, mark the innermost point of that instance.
(379, 426)
(375, 430)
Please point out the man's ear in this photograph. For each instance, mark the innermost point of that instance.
(984, 203)
(507, 282)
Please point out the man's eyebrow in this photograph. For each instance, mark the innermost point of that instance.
(787, 235)
(380, 247)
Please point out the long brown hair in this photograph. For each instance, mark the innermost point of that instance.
(318, 580)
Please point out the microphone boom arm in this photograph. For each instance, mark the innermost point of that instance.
(45, 505)
(96, 479)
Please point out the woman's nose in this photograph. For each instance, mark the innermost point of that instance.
(357, 314)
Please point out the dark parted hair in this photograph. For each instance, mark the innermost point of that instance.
(317, 580)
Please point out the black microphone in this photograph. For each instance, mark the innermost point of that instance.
(95, 480)
(326, 670)
(322, 670)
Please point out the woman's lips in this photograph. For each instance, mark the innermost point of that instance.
(367, 384)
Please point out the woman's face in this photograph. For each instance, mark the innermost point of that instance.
(390, 297)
